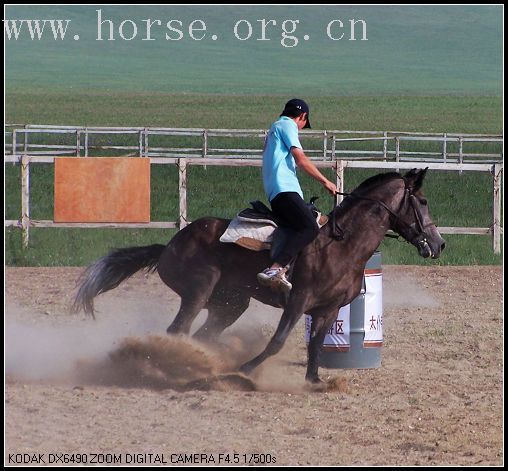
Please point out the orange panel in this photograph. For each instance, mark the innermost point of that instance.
(102, 189)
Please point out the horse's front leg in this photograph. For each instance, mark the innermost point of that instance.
(321, 323)
(289, 318)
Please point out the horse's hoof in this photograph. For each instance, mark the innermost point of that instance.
(246, 369)
(174, 331)
(314, 380)
(316, 384)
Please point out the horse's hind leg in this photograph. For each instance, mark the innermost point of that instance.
(193, 300)
(189, 309)
(221, 314)
(288, 320)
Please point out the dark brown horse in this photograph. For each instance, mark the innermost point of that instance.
(208, 274)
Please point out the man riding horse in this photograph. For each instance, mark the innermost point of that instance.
(282, 154)
(327, 274)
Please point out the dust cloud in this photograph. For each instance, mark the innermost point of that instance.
(405, 292)
(125, 349)
(47, 351)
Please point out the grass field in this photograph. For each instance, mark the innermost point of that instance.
(455, 200)
(409, 50)
(474, 114)
(211, 192)
(433, 69)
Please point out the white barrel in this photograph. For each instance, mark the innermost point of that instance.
(356, 337)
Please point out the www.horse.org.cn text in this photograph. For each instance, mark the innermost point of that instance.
(289, 33)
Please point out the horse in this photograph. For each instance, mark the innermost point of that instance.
(326, 275)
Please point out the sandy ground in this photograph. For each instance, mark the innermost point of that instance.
(118, 390)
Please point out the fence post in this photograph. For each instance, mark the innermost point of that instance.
(385, 145)
(461, 156)
(145, 132)
(325, 144)
(86, 142)
(339, 180)
(25, 199)
(205, 143)
(78, 142)
(25, 147)
(14, 145)
(140, 143)
(444, 147)
(496, 226)
(182, 191)
(397, 151)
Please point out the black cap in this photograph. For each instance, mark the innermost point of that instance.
(297, 107)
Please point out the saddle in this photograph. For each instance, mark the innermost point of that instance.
(257, 228)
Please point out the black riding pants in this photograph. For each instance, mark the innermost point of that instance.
(299, 221)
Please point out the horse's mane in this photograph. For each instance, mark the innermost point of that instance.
(365, 187)
(375, 181)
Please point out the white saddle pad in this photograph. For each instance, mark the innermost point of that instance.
(255, 234)
(251, 234)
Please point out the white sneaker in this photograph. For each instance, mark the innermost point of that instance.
(275, 278)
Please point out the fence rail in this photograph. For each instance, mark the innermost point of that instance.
(25, 222)
(334, 145)
(31, 144)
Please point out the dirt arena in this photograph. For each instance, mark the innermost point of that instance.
(118, 389)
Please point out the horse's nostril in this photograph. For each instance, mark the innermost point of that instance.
(443, 246)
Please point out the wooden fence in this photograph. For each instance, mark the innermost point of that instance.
(327, 145)
(25, 222)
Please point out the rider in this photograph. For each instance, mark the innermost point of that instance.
(281, 155)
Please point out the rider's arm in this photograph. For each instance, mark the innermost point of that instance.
(303, 162)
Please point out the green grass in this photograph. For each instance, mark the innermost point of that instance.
(79, 247)
(423, 68)
(410, 50)
(473, 114)
(454, 200)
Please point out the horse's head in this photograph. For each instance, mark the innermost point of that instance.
(413, 221)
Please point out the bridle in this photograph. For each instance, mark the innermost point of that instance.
(415, 234)
(419, 236)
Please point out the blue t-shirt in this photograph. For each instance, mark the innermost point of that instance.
(279, 167)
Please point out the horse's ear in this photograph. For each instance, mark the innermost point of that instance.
(414, 179)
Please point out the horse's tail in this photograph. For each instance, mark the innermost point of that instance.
(109, 271)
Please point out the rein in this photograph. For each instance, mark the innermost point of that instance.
(337, 233)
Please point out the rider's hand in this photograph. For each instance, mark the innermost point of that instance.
(331, 187)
